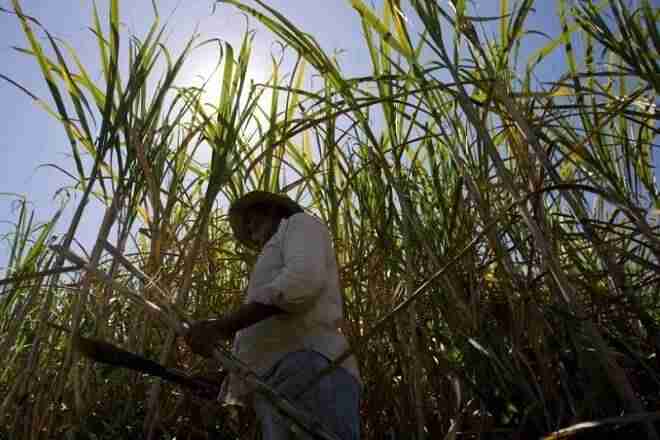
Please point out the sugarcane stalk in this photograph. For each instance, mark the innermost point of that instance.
(158, 310)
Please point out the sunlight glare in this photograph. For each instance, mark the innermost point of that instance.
(207, 75)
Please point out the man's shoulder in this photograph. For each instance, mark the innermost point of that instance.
(307, 222)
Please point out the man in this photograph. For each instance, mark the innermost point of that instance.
(288, 326)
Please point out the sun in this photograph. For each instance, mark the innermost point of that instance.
(205, 74)
(207, 71)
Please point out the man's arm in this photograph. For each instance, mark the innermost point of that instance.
(247, 314)
(305, 247)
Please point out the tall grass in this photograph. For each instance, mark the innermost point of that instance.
(497, 236)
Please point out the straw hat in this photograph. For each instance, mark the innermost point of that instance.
(239, 209)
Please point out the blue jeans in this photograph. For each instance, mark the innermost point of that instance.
(334, 401)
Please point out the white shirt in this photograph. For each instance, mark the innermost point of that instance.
(296, 272)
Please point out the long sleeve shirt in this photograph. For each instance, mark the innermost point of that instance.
(296, 272)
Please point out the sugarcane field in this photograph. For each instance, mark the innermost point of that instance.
(330, 219)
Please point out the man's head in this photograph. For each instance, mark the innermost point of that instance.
(262, 220)
(256, 216)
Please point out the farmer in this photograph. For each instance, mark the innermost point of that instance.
(287, 329)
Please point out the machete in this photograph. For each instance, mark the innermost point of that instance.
(106, 353)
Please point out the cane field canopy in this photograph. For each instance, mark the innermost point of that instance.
(488, 171)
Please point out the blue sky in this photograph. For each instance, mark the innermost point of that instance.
(29, 138)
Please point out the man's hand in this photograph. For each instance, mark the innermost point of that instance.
(205, 334)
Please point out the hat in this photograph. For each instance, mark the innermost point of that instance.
(240, 207)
